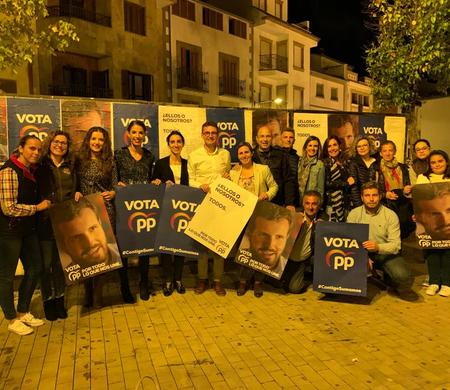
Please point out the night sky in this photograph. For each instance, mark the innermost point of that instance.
(340, 26)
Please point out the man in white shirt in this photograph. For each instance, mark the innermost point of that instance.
(384, 242)
(206, 164)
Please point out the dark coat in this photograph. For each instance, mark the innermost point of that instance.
(163, 172)
(359, 171)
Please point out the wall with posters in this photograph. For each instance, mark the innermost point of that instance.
(20, 116)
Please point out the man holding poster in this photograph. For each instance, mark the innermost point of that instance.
(384, 240)
(206, 164)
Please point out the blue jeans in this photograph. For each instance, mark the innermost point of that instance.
(396, 269)
(11, 248)
(53, 284)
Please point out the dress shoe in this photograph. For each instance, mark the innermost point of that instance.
(180, 287)
(218, 288)
(167, 289)
(242, 289)
(258, 290)
(61, 310)
(50, 310)
(202, 285)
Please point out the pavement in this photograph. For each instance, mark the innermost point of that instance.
(279, 341)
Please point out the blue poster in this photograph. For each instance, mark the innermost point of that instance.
(231, 127)
(179, 205)
(138, 209)
(124, 113)
(340, 261)
(373, 127)
(31, 116)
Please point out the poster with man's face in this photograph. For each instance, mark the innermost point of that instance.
(86, 243)
(431, 204)
(268, 239)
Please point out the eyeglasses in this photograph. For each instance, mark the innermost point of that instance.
(422, 149)
(210, 134)
(60, 143)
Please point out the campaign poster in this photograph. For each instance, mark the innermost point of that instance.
(372, 126)
(395, 129)
(86, 243)
(231, 124)
(31, 116)
(138, 210)
(274, 120)
(431, 203)
(187, 120)
(124, 113)
(268, 239)
(4, 154)
(307, 124)
(221, 217)
(79, 115)
(340, 261)
(346, 128)
(178, 207)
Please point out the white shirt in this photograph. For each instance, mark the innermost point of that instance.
(204, 167)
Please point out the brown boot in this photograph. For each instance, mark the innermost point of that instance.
(242, 288)
(202, 285)
(218, 288)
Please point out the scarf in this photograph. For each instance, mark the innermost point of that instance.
(303, 172)
(27, 172)
(393, 175)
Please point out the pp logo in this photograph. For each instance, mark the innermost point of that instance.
(339, 259)
(74, 275)
(142, 221)
(227, 140)
(40, 132)
(179, 221)
(424, 243)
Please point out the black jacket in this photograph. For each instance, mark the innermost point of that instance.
(359, 171)
(163, 172)
(278, 161)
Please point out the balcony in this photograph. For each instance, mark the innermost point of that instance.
(273, 62)
(80, 90)
(79, 13)
(231, 87)
(187, 78)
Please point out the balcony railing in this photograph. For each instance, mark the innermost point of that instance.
(273, 62)
(192, 79)
(80, 13)
(80, 90)
(232, 87)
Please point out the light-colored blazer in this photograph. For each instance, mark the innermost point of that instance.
(263, 179)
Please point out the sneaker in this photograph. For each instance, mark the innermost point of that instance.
(432, 289)
(426, 282)
(444, 291)
(18, 327)
(30, 320)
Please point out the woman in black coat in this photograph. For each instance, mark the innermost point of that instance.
(172, 170)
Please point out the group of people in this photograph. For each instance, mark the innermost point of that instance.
(363, 188)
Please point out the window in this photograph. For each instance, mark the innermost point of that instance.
(319, 90)
(229, 83)
(265, 95)
(137, 86)
(282, 93)
(334, 94)
(134, 16)
(261, 4)
(279, 9)
(366, 101)
(238, 28)
(298, 98)
(212, 18)
(299, 52)
(354, 98)
(184, 9)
